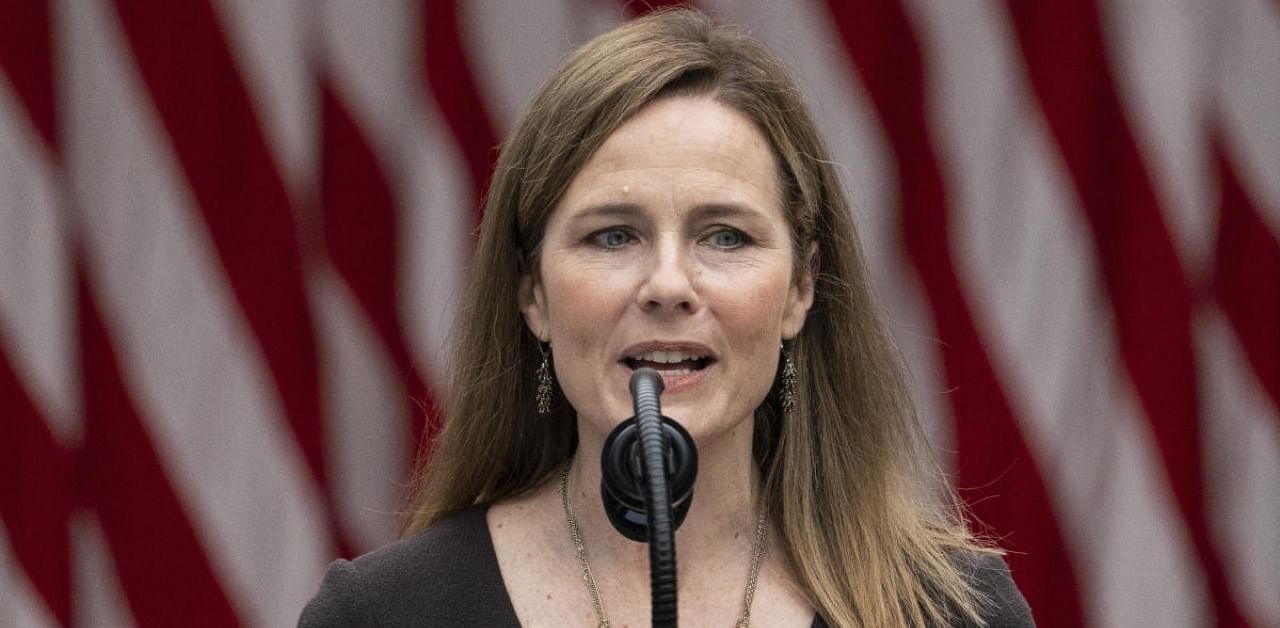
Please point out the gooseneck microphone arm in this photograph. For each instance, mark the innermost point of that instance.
(648, 469)
(646, 388)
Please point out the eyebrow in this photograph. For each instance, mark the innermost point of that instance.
(609, 209)
(704, 210)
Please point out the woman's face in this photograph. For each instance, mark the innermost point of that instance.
(670, 250)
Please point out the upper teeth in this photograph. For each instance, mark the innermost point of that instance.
(666, 357)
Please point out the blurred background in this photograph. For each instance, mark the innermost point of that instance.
(233, 233)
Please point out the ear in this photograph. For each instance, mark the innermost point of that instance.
(800, 298)
(533, 304)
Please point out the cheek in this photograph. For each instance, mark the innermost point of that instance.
(753, 311)
(582, 306)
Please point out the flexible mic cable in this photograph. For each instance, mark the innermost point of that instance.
(646, 389)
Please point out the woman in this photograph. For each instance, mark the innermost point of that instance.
(666, 202)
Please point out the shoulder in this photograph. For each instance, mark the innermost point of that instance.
(447, 575)
(1004, 605)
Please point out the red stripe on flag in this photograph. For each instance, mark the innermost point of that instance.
(26, 56)
(163, 570)
(36, 482)
(192, 79)
(35, 494)
(1247, 276)
(362, 236)
(991, 453)
(1063, 47)
(453, 85)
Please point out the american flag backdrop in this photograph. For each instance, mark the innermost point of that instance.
(233, 232)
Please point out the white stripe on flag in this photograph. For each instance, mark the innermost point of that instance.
(1242, 468)
(186, 352)
(365, 404)
(1243, 439)
(1247, 93)
(271, 43)
(1162, 69)
(1025, 259)
(435, 240)
(515, 46)
(36, 291)
(96, 594)
(374, 51)
(20, 606)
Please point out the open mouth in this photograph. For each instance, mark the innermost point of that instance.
(669, 362)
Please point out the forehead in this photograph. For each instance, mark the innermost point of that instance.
(682, 144)
(699, 125)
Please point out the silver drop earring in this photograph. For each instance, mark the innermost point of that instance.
(544, 384)
(789, 383)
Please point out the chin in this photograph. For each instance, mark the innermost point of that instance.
(704, 426)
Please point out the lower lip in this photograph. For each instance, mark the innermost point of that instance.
(677, 382)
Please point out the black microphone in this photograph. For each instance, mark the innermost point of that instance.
(648, 468)
(623, 474)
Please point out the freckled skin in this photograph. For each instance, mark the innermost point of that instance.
(673, 265)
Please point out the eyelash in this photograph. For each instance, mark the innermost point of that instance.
(743, 239)
(598, 238)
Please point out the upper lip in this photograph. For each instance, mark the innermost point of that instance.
(694, 349)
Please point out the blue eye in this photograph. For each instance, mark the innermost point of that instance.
(727, 239)
(612, 238)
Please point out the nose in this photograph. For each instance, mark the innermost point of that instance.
(668, 282)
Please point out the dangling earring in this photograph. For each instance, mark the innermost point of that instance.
(544, 383)
(788, 383)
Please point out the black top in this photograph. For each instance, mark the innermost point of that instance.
(449, 576)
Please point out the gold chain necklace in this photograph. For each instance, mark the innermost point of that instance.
(757, 556)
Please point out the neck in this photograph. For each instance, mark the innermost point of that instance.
(718, 530)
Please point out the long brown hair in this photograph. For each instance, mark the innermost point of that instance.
(873, 542)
